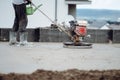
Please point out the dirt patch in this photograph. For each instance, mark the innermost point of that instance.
(73, 74)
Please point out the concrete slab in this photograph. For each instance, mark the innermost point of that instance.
(52, 56)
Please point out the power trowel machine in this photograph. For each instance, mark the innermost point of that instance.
(77, 31)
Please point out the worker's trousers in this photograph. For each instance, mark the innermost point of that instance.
(21, 20)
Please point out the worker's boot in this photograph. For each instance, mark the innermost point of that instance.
(23, 38)
(12, 38)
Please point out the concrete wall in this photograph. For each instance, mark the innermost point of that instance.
(116, 36)
(4, 34)
(72, 10)
(98, 36)
(33, 34)
(54, 35)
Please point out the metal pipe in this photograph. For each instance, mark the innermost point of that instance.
(56, 3)
(61, 28)
(43, 13)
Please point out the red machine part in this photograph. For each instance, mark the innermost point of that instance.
(80, 30)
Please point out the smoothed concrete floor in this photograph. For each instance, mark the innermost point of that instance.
(52, 56)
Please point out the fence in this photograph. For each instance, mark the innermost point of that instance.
(54, 35)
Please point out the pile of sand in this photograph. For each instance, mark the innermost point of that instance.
(72, 74)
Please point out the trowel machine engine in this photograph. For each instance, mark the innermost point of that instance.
(78, 31)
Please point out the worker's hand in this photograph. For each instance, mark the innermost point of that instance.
(28, 2)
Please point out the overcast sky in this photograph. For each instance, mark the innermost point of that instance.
(103, 4)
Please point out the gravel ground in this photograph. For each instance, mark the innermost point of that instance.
(73, 74)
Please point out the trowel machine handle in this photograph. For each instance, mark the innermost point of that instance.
(42, 12)
(60, 27)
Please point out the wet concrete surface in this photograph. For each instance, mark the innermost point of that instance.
(52, 56)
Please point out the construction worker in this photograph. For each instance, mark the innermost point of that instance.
(20, 21)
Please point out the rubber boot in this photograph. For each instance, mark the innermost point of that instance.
(12, 38)
(23, 38)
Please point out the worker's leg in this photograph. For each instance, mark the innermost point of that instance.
(13, 33)
(23, 21)
(12, 38)
(22, 25)
(17, 18)
(23, 38)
